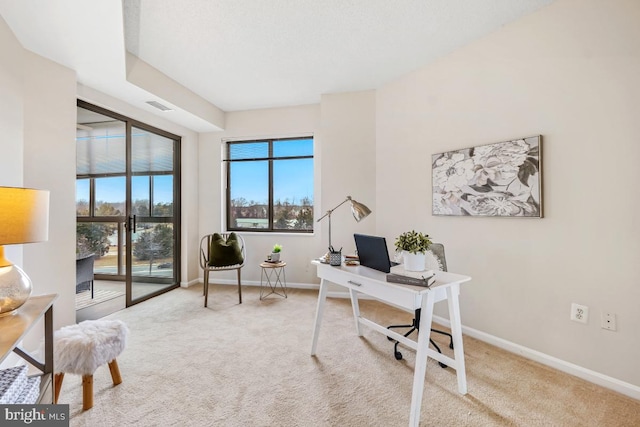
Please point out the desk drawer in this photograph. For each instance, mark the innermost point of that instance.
(398, 295)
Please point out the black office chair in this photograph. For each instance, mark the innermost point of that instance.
(438, 251)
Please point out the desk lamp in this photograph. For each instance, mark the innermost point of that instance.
(358, 210)
(24, 218)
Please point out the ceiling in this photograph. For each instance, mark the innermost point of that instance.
(245, 54)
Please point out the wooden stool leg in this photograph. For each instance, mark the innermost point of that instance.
(87, 392)
(115, 372)
(57, 384)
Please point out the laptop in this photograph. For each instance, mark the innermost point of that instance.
(373, 253)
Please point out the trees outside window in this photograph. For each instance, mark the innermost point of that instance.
(93, 238)
(154, 243)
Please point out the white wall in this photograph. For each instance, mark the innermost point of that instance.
(11, 131)
(11, 118)
(570, 73)
(50, 164)
(11, 87)
(37, 99)
(348, 165)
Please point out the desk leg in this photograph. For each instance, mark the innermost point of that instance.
(420, 371)
(453, 293)
(356, 310)
(322, 296)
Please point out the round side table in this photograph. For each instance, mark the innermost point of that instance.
(272, 277)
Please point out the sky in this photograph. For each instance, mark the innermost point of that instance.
(293, 179)
(112, 190)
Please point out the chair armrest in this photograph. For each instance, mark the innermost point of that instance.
(204, 260)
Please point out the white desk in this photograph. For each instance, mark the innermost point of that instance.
(373, 283)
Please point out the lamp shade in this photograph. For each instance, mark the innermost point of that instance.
(359, 210)
(24, 215)
(24, 218)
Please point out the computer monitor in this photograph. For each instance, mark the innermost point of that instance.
(373, 253)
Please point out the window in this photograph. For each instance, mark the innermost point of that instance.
(270, 185)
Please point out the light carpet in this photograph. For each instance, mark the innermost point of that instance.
(84, 300)
(249, 365)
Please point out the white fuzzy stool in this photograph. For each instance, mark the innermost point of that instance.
(83, 348)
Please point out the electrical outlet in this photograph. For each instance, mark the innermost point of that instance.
(579, 313)
(609, 321)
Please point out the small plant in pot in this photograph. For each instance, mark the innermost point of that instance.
(414, 246)
(275, 252)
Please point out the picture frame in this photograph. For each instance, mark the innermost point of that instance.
(502, 179)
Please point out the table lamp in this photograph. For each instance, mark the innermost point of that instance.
(358, 210)
(24, 218)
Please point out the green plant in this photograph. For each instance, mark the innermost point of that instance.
(276, 248)
(412, 241)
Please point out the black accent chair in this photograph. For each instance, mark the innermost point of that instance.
(438, 251)
(84, 274)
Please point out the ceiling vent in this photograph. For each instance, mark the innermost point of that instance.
(159, 106)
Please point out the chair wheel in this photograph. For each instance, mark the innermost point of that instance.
(451, 346)
(390, 339)
(398, 355)
(442, 365)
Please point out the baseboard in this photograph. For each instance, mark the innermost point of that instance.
(611, 383)
(234, 282)
(190, 283)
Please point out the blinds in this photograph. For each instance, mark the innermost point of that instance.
(102, 150)
(150, 152)
(281, 148)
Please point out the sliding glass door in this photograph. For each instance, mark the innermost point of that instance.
(152, 239)
(127, 193)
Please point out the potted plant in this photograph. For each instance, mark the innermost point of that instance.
(275, 252)
(414, 246)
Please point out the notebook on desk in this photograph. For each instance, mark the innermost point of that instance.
(373, 253)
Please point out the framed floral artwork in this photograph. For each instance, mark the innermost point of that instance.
(501, 179)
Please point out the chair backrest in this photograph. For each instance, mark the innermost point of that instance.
(84, 269)
(438, 251)
(205, 247)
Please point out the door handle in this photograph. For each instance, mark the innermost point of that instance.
(130, 223)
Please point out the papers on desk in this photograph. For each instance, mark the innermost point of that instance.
(417, 278)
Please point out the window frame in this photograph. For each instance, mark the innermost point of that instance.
(270, 159)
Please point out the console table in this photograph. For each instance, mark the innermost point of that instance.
(364, 280)
(13, 329)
